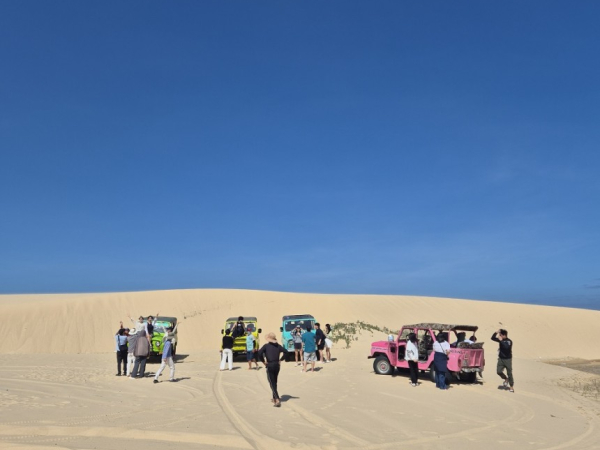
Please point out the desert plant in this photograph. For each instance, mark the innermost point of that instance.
(348, 332)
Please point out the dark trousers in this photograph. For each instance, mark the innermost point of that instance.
(505, 364)
(414, 372)
(272, 374)
(139, 367)
(440, 379)
(122, 357)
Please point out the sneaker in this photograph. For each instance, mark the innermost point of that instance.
(413, 384)
(505, 383)
(155, 381)
(512, 390)
(172, 380)
(118, 375)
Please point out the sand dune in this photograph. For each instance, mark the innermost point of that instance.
(59, 389)
(85, 323)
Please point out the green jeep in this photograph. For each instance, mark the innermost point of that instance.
(161, 324)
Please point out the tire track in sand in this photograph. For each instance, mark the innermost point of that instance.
(257, 440)
(320, 422)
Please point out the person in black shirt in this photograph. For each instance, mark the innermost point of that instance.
(504, 358)
(238, 329)
(227, 351)
(320, 339)
(269, 356)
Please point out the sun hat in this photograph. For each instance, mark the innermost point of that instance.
(271, 337)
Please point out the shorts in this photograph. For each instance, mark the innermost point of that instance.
(297, 345)
(249, 356)
(310, 356)
(328, 343)
(321, 346)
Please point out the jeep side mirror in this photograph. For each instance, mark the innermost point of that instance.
(281, 329)
(260, 330)
(221, 331)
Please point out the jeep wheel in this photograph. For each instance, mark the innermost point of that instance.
(468, 377)
(382, 366)
(432, 373)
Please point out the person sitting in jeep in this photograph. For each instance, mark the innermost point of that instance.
(238, 329)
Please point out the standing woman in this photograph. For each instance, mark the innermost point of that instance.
(412, 356)
(440, 360)
(121, 349)
(328, 342)
(141, 352)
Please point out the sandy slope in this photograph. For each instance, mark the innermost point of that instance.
(53, 397)
(85, 323)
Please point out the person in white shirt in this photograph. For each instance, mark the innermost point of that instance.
(139, 325)
(441, 350)
(412, 356)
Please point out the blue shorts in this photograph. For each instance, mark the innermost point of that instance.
(249, 355)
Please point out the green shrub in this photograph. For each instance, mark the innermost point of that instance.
(348, 332)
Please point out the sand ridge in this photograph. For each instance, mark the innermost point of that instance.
(59, 387)
(85, 323)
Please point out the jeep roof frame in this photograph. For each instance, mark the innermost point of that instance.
(442, 326)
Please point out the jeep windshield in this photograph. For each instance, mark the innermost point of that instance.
(292, 324)
(161, 327)
(251, 326)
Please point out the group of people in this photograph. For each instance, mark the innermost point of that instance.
(306, 351)
(309, 347)
(442, 348)
(133, 347)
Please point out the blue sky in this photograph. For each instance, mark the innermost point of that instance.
(427, 148)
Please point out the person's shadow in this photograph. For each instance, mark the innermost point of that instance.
(175, 380)
(285, 398)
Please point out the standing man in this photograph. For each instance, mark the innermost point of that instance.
(167, 357)
(250, 344)
(320, 338)
(269, 356)
(504, 358)
(310, 348)
(297, 338)
(227, 351)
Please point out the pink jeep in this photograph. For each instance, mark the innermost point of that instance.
(466, 357)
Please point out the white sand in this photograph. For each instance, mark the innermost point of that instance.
(58, 387)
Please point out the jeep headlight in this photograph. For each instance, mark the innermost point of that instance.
(156, 344)
(290, 344)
